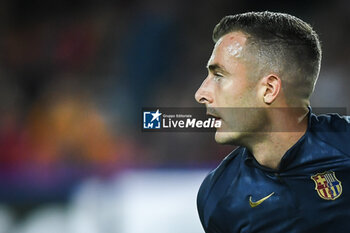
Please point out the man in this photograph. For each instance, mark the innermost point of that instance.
(291, 172)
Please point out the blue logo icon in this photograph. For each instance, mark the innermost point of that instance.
(151, 120)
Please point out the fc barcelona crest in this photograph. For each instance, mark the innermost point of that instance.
(327, 185)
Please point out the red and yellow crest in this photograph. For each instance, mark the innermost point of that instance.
(327, 185)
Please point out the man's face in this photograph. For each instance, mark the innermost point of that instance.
(227, 88)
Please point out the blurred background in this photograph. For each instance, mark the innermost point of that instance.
(73, 78)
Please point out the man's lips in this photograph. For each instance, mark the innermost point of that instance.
(214, 115)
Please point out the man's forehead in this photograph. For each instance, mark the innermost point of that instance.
(229, 45)
(232, 38)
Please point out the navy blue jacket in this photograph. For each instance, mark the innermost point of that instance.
(310, 192)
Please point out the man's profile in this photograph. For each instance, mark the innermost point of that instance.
(291, 169)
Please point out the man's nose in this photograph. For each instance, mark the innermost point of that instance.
(204, 93)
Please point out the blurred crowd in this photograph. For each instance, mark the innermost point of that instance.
(74, 76)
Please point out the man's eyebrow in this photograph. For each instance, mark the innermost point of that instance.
(216, 67)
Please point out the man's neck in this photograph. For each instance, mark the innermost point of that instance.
(270, 147)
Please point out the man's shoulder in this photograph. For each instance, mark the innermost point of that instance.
(216, 173)
(332, 122)
(333, 129)
(211, 179)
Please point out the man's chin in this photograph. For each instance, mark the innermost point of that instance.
(227, 137)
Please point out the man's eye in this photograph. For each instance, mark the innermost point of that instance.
(217, 77)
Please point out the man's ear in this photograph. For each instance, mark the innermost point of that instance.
(272, 87)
